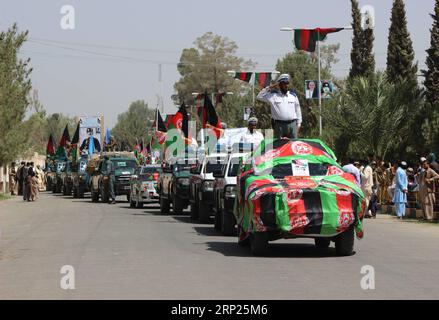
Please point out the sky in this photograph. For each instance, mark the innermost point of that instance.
(112, 56)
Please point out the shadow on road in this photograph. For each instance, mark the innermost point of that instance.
(208, 231)
(188, 219)
(277, 250)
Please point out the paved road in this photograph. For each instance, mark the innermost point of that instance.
(123, 253)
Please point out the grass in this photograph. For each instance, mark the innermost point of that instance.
(4, 196)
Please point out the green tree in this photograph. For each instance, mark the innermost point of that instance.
(14, 89)
(431, 75)
(362, 57)
(400, 54)
(133, 125)
(204, 67)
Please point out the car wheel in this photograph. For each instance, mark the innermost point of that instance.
(228, 223)
(177, 205)
(344, 243)
(203, 212)
(80, 192)
(75, 192)
(322, 243)
(165, 205)
(243, 239)
(218, 220)
(194, 211)
(259, 243)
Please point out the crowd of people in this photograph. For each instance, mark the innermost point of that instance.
(26, 181)
(397, 183)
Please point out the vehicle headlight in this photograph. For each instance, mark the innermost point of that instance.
(208, 185)
(183, 181)
(230, 191)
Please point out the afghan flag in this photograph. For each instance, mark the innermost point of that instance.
(243, 76)
(50, 149)
(180, 121)
(306, 39)
(263, 79)
(65, 137)
(75, 139)
(211, 119)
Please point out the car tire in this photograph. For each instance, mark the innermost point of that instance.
(259, 243)
(177, 205)
(194, 211)
(218, 220)
(80, 192)
(165, 205)
(322, 243)
(228, 223)
(243, 239)
(75, 193)
(344, 243)
(203, 212)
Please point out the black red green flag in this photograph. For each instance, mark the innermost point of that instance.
(75, 139)
(243, 76)
(50, 149)
(306, 39)
(160, 124)
(65, 137)
(211, 119)
(263, 78)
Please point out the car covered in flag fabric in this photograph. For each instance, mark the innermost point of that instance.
(296, 188)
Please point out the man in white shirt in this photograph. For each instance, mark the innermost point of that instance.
(285, 108)
(252, 136)
(352, 169)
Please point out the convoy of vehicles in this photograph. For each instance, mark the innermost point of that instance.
(143, 185)
(282, 190)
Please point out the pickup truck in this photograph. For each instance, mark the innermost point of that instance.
(201, 186)
(173, 186)
(144, 185)
(80, 177)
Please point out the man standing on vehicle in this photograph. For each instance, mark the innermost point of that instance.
(252, 136)
(285, 108)
(111, 180)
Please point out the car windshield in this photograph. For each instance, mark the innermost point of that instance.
(233, 167)
(299, 169)
(149, 173)
(181, 167)
(215, 164)
(124, 166)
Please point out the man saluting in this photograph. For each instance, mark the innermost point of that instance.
(286, 115)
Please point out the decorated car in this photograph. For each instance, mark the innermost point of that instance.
(293, 189)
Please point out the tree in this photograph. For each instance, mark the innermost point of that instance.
(372, 115)
(431, 75)
(204, 67)
(362, 57)
(400, 54)
(133, 125)
(15, 86)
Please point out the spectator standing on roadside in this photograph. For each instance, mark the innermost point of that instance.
(367, 184)
(12, 179)
(352, 169)
(401, 188)
(427, 190)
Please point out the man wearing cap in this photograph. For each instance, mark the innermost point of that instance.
(285, 108)
(401, 188)
(252, 136)
(427, 190)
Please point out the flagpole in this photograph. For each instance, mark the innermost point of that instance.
(320, 84)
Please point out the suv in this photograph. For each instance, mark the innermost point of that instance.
(224, 194)
(143, 185)
(124, 165)
(50, 175)
(173, 186)
(60, 166)
(80, 177)
(201, 186)
(66, 178)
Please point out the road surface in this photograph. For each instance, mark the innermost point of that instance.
(122, 253)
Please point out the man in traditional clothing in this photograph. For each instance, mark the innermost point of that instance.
(401, 188)
(367, 184)
(25, 181)
(40, 178)
(12, 178)
(380, 174)
(20, 179)
(426, 182)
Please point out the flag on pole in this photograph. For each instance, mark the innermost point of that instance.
(306, 39)
(107, 136)
(211, 119)
(75, 139)
(244, 76)
(61, 150)
(263, 79)
(50, 149)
